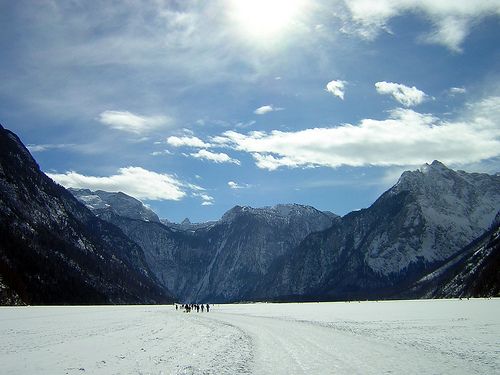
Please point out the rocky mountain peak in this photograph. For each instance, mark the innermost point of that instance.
(234, 212)
(118, 203)
(430, 178)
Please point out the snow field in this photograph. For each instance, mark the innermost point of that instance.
(398, 337)
(118, 340)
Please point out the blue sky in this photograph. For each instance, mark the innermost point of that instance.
(196, 106)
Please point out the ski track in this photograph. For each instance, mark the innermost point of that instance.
(404, 337)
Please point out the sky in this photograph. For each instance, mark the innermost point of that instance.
(196, 106)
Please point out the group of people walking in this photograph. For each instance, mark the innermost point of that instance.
(193, 306)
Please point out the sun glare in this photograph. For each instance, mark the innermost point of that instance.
(265, 18)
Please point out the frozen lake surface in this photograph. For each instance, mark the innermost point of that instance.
(397, 337)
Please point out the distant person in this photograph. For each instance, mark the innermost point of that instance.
(202, 307)
(208, 307)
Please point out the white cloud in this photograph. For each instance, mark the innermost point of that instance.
(187, 142)
(408, 96)
(132, 123)
(164, 152)
(451, 19)
(46, 147)
(215, 157)
(207, 200)
(450, 32)
(235, 185)
(134, 181)
(242, 125)
(457, 90)
(337, 88)
(266, 109)
(406, 137)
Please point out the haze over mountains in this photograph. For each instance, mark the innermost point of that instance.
(433, 234)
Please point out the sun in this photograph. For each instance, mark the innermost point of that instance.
(265, 18)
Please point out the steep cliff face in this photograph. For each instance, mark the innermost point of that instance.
(223, 260)
(178, 258)
(247, 241)
(426, 218)
(53, 250)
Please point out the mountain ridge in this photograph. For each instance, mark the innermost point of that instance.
(434, 211)
(54, 250)
(377, 251)
(186, 257)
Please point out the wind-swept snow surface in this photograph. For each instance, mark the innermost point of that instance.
(410, 337)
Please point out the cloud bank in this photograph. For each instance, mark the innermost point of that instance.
(406, 137)
(134, 181)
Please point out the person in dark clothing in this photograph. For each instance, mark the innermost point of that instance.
(208, 307)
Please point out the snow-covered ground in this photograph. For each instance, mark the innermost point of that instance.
(398, 337)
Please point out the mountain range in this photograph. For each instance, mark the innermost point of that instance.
(295, 252)
(429, 216)
(217, 261)
(433, 234)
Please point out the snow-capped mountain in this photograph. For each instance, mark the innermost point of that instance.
(298, 252)
(103, 202)
(426, 218)
(220, 260)
(53, 250)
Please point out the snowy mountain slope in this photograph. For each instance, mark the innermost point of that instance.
(474, 272)
(426, 218)
(102, 202)
(53, 250)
